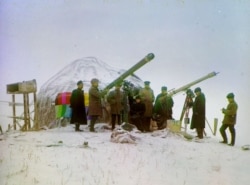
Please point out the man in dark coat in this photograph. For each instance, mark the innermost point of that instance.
(230, 115)
(95, 104)
(199, 113)
(163, 108)
(137, 111)
(77, 103)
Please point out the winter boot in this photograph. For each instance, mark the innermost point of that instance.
(91, 128)
(224, 136)
(232, 138)
(77, 128)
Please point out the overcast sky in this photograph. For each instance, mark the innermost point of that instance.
(189, 39)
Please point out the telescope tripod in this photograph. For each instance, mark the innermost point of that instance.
(188, 103)
(185, 111)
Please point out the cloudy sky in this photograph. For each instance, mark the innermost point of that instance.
(189, 39)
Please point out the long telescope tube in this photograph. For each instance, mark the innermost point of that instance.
(185, 87)
(130, 71)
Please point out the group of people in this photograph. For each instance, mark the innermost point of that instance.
(144, 108)
(77, 104)
(199, 116)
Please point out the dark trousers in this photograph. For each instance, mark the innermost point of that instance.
(162, 122)
(93, 120)
(124, 117)
(232, 131)
(137, 121)
(77, 128)
(113, 119)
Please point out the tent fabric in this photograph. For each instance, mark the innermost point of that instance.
(63, 111)
(63, 98)
(62, 104)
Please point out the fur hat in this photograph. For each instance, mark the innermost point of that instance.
(94, 80)
(79, 82)
(197, 89)
(118, 84)
(137, 97)
(164, 88)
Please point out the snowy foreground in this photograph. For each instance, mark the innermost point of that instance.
(62, 156)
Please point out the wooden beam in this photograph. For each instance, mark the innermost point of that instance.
(16, 104)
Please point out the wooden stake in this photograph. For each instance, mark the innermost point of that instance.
(14, 110)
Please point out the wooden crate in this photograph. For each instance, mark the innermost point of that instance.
(174, 125)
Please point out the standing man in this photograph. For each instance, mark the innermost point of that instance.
(199, 113)
(77, 103)
(230, 115)
(147, 97)
(95, 104)
(163, 108)
(117, 102)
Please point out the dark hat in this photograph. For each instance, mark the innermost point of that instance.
(164, 88)
(197, 89)
(137, 97)
(94, 80)
(79, 82)
(118, 84)
(147, 82)
(230, 95)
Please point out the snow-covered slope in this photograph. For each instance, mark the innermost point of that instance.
(59, 156)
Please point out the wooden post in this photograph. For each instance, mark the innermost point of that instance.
(36, 125)
(215, 125)
(14, 110)
(28, 110)
(25, 112)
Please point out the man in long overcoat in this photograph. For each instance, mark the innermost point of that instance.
(77, 104)
(147, 97)
(95, 104)
(199, 113)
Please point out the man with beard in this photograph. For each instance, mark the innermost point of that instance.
(77, 103)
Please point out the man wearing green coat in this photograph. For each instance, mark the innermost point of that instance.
(230, 115)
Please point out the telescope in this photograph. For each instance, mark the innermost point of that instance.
(130, 71)
(186, 87)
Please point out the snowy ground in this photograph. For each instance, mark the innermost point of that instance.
(59, 156)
